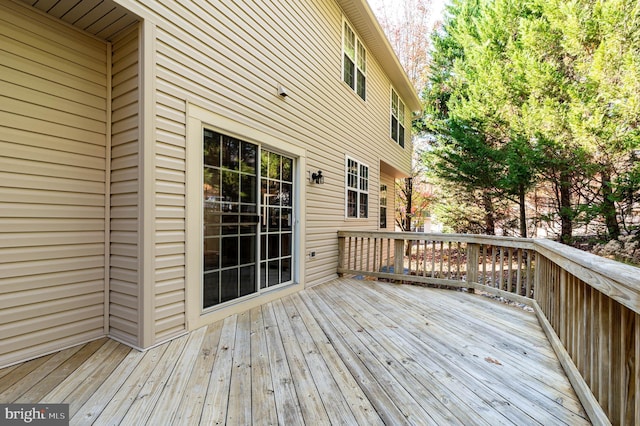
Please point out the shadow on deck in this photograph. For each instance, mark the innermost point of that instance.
(345, 352)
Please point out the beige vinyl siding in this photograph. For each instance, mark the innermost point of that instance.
(230, 60)
(124, 284)
(170, 213)
(224, 57)
(53, 88)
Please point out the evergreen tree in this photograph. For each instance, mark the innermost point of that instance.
(528, 94)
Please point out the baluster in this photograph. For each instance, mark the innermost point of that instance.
(501, 269)
(389, 255)
(529, 265)
(433, 259)
(494, 281)
(459, 251)
(369, 267)
(375, 255)
(412, 246)
(509, 270)
(484, 264)
(636, 373)
(519, 287)
(442, 275)
(422, 243)
(593, 338)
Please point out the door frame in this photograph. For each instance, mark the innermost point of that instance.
(197, 119)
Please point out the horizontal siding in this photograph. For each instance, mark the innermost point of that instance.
(124, 286)
(52, 184)
(228, 58)
(170, 154)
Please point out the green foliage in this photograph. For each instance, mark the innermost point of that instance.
(539, 95)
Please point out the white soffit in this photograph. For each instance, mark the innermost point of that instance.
(102, 18)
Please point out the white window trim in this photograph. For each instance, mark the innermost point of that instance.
(358, 191)
(384, 196)
(400, 117)
(357, 42)
(199, 118)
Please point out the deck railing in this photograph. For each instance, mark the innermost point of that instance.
(589, 306)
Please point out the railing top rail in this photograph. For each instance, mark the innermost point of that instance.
(462, 238)
(617, 280)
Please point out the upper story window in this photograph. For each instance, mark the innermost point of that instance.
(354, 67)
(357, 189)
(397, 118)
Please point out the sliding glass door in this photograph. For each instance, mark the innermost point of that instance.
(276, 229)
(240, 227)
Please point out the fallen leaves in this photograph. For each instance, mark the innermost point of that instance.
(492, 361)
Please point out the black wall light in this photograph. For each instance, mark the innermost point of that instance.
(317, 177)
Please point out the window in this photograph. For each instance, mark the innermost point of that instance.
(397, 118)
(383, 206)
(354, 67)
(357, 189)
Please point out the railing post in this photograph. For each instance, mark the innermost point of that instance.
(473, 255)
(398, 256)
(341, 245)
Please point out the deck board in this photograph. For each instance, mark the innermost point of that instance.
(53, 379)
(262, 395)
(176, 384)
(409, 353)
(468, 350)
(344, 352)
(192, 401)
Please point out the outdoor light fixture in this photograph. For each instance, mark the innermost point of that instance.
(317, 177)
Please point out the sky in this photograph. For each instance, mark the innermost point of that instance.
(436, 6)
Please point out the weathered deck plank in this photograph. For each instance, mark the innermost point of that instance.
(53, 379)
(262, 395)
(239, 410)
(360, 405)
(192, 401)
(214, 410)
(22, 384)
(382, 403)
(345, 352)
(116, 408)
(478, 359)
(108, 388)
(176, 385)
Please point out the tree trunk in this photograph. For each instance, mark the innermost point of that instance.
(408, 185)
(490, 219)
(408, 192)
(609, 206)
(566, 212)
(523, 211)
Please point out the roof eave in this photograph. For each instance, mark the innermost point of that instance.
(366, 25)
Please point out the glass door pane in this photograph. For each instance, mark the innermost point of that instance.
(230, 216)
(276, 228)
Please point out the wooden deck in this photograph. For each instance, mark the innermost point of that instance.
(345, 352)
